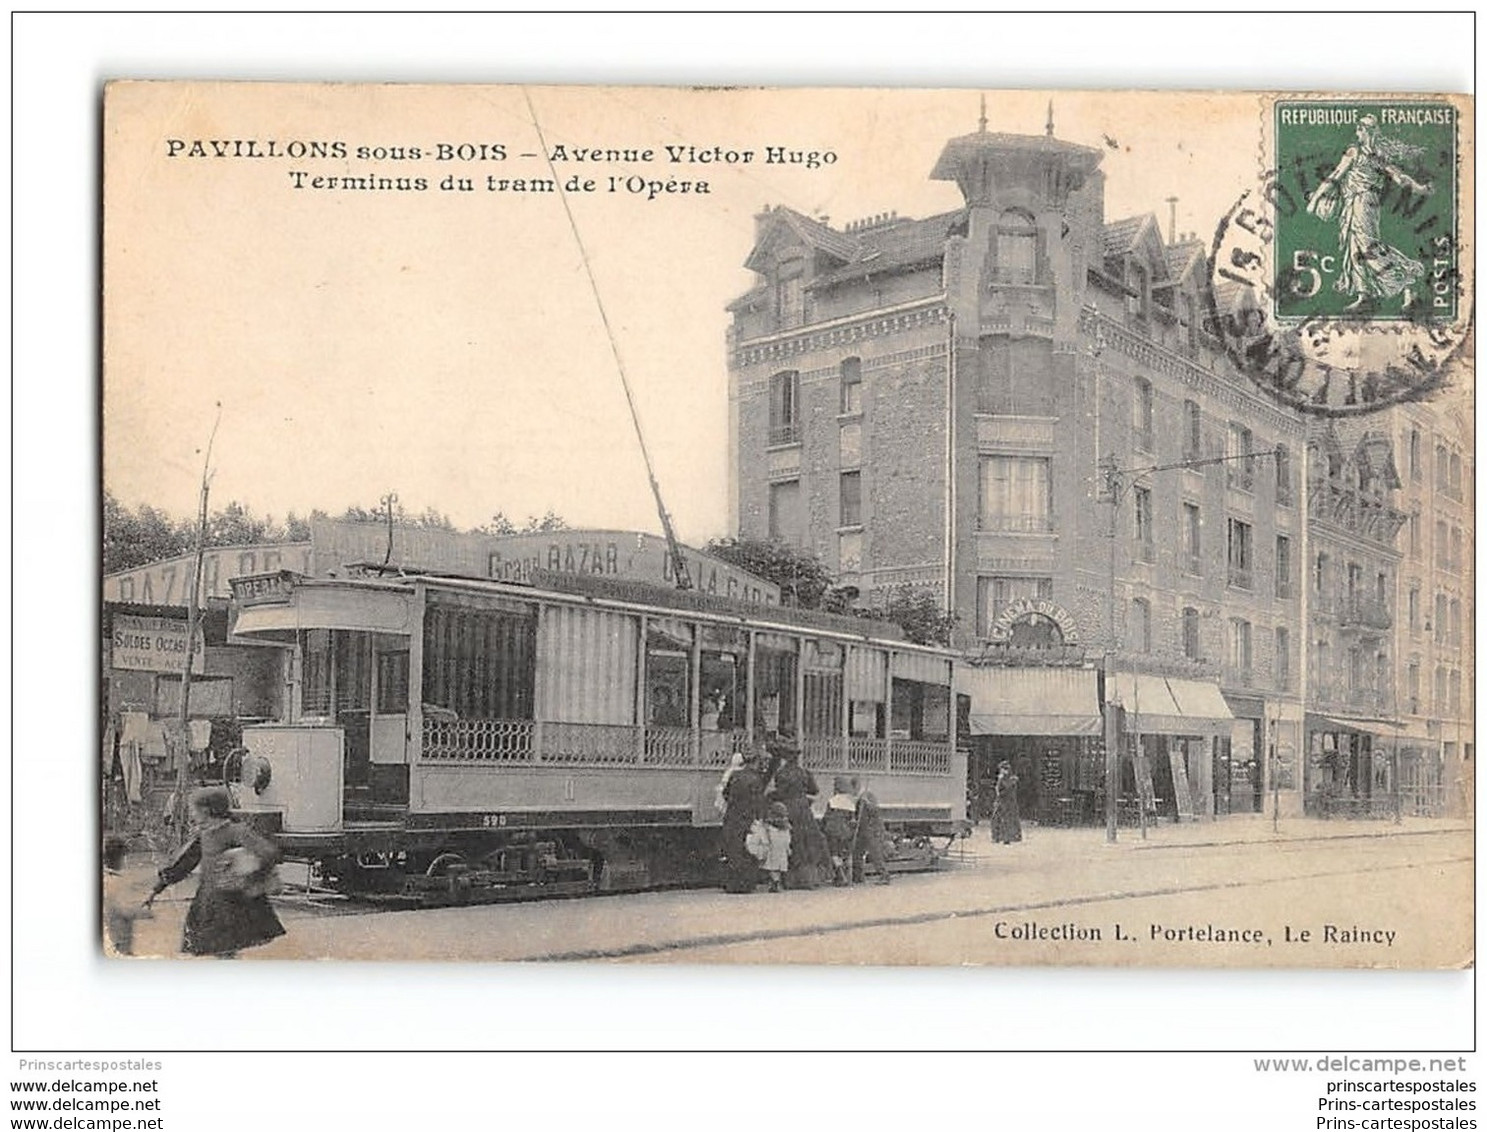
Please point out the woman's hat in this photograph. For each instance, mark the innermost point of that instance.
(785, 749)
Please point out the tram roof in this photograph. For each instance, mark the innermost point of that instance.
(628, 593)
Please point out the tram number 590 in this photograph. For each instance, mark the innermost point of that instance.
(493, 821)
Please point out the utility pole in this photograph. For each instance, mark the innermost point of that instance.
(1274, 771)
(1110, 490)
(193, 617)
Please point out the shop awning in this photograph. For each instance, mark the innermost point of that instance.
(1162, 705)
(1031, 701)
(366, 610)
(1381, 728)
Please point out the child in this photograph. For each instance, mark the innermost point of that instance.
(121, 903)
(841, 829)
(777, 856)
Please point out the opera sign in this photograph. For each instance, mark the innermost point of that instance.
(154, 644)
(1033, 623)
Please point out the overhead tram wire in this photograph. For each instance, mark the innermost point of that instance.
(678, 566)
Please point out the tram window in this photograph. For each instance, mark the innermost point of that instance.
(823, 688)
(480, 664)
(936, 722)
(724, 674)
(353, 671)
(920, 711)
(668, 674)
(776, 660)
(868, 719)
(392, 682)
(315, 673)
(722, 692)
(866, 674)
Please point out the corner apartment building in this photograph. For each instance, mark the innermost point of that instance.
(927, 403)
(1433, 630)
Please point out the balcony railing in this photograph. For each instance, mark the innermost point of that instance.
(1241, 577)
(527, 742)
(1016, 524)
(1360, 514)
(1366, 612)
(786, 433)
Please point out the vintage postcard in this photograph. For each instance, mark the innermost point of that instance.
(891, 527)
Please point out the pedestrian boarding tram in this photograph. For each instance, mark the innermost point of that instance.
(446, 738)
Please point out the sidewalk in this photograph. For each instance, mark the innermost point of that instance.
(1232, 829)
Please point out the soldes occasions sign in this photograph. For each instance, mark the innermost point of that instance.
(154, 644)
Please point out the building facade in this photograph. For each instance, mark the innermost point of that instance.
(1353, 522)
(1020, 407)
(1435, 610)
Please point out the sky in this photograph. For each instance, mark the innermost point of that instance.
(447, 345)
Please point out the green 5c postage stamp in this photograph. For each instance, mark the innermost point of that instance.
(1365, 203)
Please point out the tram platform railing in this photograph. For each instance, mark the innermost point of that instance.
(507, 742)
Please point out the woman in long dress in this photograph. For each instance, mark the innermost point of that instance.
(795, 786)
(1368, 267)
(1006, 825)
(230, 910)
(743, 799)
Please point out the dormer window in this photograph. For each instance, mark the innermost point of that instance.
(1016, 248)
(790, 299)
(1140, 299)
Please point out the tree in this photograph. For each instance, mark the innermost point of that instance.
(500, 524)
(134, 538)
(138, 537)
(802, 577)
(916, 612)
